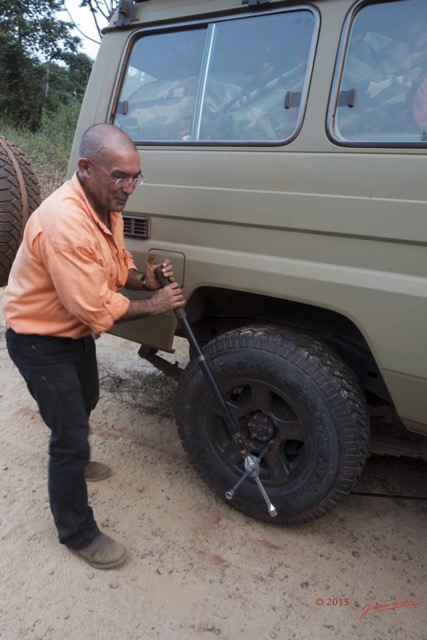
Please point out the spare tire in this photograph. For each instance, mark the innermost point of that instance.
(19, 196)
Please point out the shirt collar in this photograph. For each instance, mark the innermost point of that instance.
(114, 215)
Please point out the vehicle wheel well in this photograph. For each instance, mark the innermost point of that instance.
(213, 311)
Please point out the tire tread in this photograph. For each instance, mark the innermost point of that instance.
(333, 377)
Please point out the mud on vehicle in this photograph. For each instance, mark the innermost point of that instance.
(284, 149)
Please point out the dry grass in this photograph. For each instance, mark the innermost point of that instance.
(48, 150)
(48, 160)
(49, 177)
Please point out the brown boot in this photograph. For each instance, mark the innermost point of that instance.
(102, 553)
(95, 471)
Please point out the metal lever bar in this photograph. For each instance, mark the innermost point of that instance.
(251, 463)
(252, 470)
(251, 467)
(271, 509)
(188, 332)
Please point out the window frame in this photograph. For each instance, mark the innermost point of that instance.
(208, 23)
(336, 84)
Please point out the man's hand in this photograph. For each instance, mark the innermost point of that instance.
(151, 281)
(166, 299)
(163, 300)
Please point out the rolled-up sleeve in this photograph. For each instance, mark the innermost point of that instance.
(129, 260)
(82, 285)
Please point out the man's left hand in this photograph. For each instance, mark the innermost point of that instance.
(151, 281)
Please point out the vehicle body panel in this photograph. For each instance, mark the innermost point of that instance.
(311, 221)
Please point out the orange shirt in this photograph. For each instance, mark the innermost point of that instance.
(67, 270)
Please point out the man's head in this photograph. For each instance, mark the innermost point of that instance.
(108, 155)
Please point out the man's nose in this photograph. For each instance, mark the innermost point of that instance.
(129, 188)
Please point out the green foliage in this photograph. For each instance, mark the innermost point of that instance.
(40, 69)
(48, 149)
(20, 83)
(79, 66)
(42, 82)
(34, 25)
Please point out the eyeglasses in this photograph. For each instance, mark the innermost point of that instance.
(119, 182)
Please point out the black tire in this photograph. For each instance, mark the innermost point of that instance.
(283, 386)
(19, 197)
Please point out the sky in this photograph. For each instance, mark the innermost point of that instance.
(83, 19)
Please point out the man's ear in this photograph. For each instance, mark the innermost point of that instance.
(83, 166)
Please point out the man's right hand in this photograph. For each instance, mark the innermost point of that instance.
(163, 300)
(166, 299)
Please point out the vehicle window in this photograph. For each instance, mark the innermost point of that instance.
(382, 95)
(158, 95)
(236, 81)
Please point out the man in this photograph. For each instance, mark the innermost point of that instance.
(62, 291)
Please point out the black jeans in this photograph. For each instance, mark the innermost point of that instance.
(62, 376)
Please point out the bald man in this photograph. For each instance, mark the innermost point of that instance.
(63, 291)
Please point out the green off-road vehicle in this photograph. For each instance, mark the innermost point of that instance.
(284, 150)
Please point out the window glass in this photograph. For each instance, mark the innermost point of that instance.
(158, 95)
(235, 81)
(383, 91)
(255, 65)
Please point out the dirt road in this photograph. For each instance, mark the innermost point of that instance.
(197, 569)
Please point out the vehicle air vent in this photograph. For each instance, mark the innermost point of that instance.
(137, 227)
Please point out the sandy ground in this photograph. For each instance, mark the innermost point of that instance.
(196, 568)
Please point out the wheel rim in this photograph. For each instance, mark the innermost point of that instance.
(263, 414)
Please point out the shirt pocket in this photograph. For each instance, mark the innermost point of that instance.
(108, 261)
(111, 272)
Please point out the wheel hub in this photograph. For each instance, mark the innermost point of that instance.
(260, 426)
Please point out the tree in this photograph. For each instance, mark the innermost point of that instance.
(20, 81)
(63, 84)
(33, 25)
(79, 66)
(32, 41)
(101, 10)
